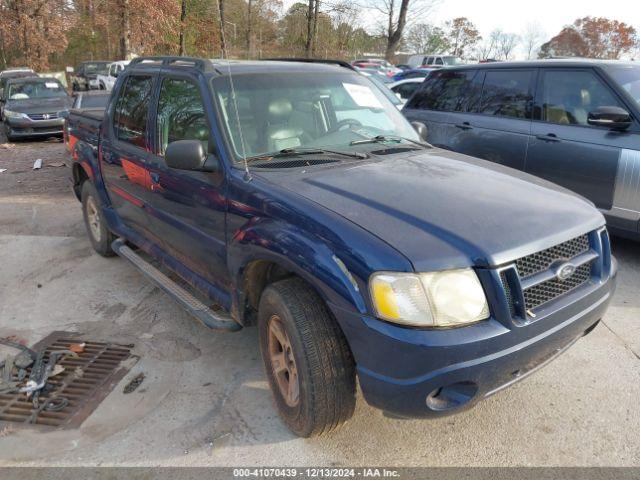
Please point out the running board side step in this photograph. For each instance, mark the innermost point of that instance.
(210, 318)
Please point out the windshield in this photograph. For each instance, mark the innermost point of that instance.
(628, 77)
(311, 109)
(38, 89)
(98, 68)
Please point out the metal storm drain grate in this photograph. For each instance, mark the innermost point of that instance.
(75, 386)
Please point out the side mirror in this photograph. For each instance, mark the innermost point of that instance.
(421, 128)
(190, 155)
(614, 118)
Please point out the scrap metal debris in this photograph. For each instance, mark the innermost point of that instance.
(133, 384)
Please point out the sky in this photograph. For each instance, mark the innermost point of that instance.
(513, 16)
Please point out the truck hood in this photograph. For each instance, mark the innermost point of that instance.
(39, 105)
(445, 210)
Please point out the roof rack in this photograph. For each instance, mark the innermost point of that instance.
(171, 61)
(340, 63)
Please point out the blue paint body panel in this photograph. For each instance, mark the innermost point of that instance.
(423, 210)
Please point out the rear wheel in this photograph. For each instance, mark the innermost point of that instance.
(99, 235)
(308, 362)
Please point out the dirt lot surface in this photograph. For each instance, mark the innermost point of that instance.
(205, 400)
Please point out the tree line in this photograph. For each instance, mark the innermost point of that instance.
(50, 34)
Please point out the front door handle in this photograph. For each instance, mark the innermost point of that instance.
(549, 137)
(464, 126)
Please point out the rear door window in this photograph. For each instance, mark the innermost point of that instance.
(507, 93)
(569, 95)
(439, 61)
(429, 61)
(180, 114)
(446, 90)
(132, 111)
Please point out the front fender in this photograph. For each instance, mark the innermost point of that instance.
(295, 250)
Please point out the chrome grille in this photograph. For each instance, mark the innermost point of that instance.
(551, 289)
(541, 261)
(43, 116)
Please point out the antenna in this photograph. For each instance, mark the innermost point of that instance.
(225, 56)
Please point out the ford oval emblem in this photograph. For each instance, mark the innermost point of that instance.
(565, 270)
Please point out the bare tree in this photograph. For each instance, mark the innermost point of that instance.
(223, 41)
(125, 34)
(507, 44)
(532, 38)
(398, 15)
(183, 17)
(489, 47)
(312, 24)
(249, 27)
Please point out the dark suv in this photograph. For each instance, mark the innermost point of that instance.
(573, 122)
(297, 197)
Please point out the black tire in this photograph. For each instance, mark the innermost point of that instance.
(99, 235)
(323, 361)
(10, 138)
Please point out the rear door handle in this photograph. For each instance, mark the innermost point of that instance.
(464, 126)
(549, 137)
(155, 177)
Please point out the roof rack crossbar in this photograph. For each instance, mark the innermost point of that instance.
(167, 61)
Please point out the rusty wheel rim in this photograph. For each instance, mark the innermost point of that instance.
(93, 218)
(283, 364)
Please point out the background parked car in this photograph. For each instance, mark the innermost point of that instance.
(428, 61)
(93, 99)
(107, 81)
(573, 122)
(377, 64)
(35, 106)
(86, 75)
(413, 73)
(5, 75)
(380, 75)
(404, 89)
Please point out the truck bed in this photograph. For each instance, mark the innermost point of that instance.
(83, 125)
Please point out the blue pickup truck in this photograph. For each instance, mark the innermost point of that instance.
(295, 197)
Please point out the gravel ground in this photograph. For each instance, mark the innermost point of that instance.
(205, 401)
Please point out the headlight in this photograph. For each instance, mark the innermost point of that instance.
(439, 299)
(12, 114)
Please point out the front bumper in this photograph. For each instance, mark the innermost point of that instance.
(424, 373)
(23, 127)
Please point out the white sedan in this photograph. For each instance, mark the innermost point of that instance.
(404, 89)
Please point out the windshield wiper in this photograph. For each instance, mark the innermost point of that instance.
(294, 152)
(388, 138)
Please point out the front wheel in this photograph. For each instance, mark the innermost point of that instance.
(99, 235)
(308, 362)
